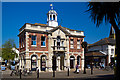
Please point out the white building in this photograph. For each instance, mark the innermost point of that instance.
(105, 46)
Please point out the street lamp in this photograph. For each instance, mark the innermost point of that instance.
(84, 45)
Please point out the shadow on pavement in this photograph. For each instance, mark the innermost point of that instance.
(103, 77)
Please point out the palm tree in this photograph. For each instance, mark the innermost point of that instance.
(110, 11)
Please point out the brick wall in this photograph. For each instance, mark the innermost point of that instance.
(38, 42)
(75, 44)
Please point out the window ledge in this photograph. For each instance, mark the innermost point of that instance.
(43, 46)
(78, 48)
(34, 45)
(72, 47)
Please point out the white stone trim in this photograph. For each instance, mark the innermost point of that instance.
(39, 51)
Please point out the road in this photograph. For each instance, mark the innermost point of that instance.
(97, 75)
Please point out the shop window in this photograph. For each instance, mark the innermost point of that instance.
(33, 40)
(43, 41)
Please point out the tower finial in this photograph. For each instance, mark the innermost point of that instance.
(51, 6)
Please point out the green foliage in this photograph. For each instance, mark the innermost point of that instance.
(7, 52)
(107, 11)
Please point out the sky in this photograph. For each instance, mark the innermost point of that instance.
(72, 15)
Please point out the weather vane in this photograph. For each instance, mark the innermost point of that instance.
(51, 6)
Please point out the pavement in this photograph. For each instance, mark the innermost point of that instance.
(62, 75)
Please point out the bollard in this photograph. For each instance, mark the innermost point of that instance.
(68, 71)
(91, 69)
(20, 73)
(38, 73)
(53, 73)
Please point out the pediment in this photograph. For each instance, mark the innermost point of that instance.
(59, 28)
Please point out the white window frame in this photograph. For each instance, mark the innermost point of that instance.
(34, 40)
(45, 41)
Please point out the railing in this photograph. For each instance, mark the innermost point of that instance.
(59, 48)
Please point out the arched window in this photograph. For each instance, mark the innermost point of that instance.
(53, 17)
(43, 62)
(34, 62)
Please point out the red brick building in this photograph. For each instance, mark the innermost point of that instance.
(38, 43)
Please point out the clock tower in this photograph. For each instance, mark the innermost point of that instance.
(52, 17)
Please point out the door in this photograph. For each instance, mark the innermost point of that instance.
(34, 62)
(62, 63)
(72, 59)
(43, 63)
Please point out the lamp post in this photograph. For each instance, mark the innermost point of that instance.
(68, 71)
(54, 65)
(84, 45)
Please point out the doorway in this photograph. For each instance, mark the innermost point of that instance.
(43, 63)
(33, 62)
(72, 62)
(62, 63)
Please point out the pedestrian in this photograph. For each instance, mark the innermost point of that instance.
(77, 69)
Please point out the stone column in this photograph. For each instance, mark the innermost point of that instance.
(82, 60)
(50, 64)
(46, 64)
(49, 17)
(50, 54)
(58, 63)
(65, 62)
(39, 64)
(20, 63)
(27, 57)
(28, 63)
(52, 16)
(55, 17)
(67, 53)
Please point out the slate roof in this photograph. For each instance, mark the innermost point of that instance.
(108, 41)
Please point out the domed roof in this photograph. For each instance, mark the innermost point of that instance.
(52, 11)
